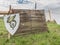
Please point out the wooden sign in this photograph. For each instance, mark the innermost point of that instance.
(31, 21)
(12, 22)
(25, 21)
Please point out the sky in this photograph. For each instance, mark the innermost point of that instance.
(4, 4)
(44, 2)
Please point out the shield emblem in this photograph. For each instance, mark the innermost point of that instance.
(12, 22)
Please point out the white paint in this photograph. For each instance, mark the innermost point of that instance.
(9, 29)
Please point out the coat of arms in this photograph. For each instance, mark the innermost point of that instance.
(12, 22)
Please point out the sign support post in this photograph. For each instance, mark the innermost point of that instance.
(9, 35)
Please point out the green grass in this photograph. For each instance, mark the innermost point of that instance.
(47, 38)
(2, 27)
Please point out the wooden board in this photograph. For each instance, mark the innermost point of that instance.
(32, 21)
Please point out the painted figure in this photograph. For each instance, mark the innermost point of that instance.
(11, 21)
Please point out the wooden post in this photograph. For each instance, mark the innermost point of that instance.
(35, 5)
(9, 35)
(49, 14)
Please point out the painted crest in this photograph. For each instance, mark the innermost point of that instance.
(12, 22)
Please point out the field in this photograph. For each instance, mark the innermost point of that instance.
(46, 38)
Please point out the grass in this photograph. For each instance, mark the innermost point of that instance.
(47, 38)
(2, 27)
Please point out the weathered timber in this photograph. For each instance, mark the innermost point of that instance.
(31, 21)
